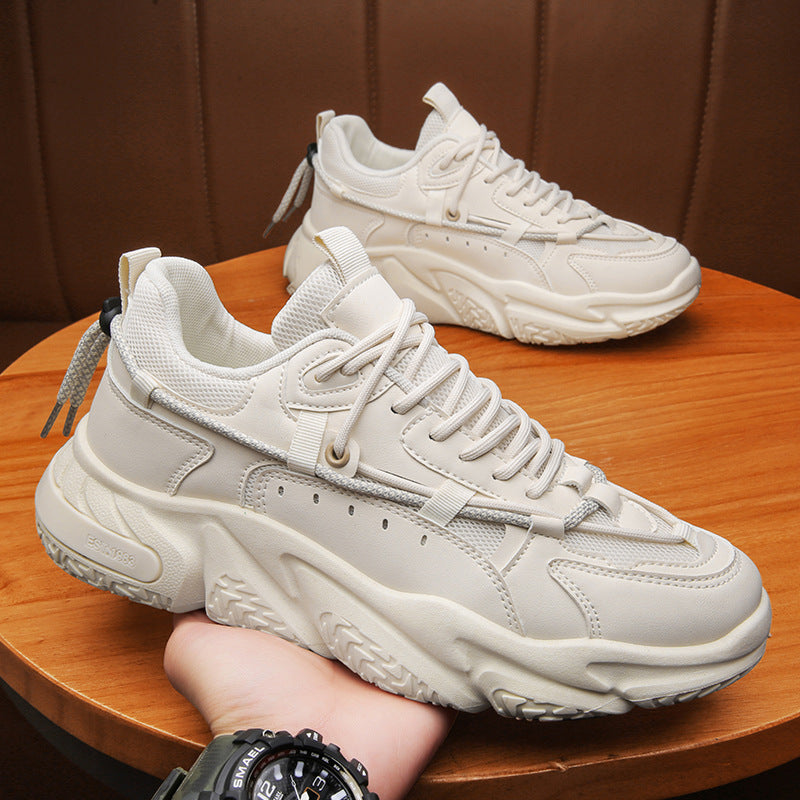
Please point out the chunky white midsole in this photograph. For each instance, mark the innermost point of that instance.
(451, 291)
(183, 553)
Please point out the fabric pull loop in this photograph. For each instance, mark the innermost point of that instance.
(131, 265)
(344, 250)
(446, 502)
(307, 440)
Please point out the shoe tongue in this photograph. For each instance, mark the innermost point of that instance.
(448, 116)
(345, 292)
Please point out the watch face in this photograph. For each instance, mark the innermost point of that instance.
(296, 773)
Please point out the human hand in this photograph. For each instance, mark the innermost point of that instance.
(239, 678)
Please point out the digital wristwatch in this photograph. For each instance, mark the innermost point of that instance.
(262, 765)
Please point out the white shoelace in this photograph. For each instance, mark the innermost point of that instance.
(522, 179)
(536, 188)
(78, 376)
(296, 191)
(531, 447)
(531, 444)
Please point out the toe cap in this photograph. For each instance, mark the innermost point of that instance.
(660, 264)
(667, 605)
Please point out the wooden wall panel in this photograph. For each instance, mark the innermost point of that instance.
(121, 136)
(743, 214)
(178, 123)
(624, 87)
(486, 52)
(24, 215)
(264, 78)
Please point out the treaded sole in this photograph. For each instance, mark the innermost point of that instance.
(303, 594)
(231, 602)
(87, 571)
(450, 292)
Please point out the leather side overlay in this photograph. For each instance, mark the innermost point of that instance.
(138, 445)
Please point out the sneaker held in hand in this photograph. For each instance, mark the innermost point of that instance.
(345, 483)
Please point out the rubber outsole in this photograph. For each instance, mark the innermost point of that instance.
(420, 646)
(451, 292)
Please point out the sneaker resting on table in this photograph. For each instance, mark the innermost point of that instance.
(345, 483)
(475, 239)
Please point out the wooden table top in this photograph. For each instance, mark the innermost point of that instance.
(700, 416)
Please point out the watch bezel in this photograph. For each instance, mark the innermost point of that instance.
(252, 746)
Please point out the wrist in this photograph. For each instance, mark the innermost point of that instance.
(256, 764)
(393, 767)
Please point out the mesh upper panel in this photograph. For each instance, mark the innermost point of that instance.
(209, 332)
(301, 314)
(153, 330)
(485, 537)
(625, 552)
(433, 126)
(532, 248)
(374, 182)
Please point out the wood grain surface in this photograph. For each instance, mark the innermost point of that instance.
(700, 416)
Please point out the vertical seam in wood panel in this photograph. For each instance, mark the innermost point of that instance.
(539, 87)
(202, 131)
(50, 245)
(371, 25)
(701, 136)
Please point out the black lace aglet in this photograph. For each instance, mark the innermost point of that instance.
(268, 229)
(51, 419)
(73, 410)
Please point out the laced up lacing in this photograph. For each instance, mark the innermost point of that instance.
(531, 444)
(499, 163)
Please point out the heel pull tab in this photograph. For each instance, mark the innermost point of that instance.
(323, 118)
(131, 266)
(344, 250)
(443, 100)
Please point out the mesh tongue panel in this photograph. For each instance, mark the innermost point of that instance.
(433, 126)
(301, 317)
(462, 126)
(447, 116)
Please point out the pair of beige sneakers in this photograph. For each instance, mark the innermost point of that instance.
(347, 484)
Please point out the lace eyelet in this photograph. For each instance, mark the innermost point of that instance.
(453, 216)
(333, 459)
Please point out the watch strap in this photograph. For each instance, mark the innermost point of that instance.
(179, 784)
(207, 777)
